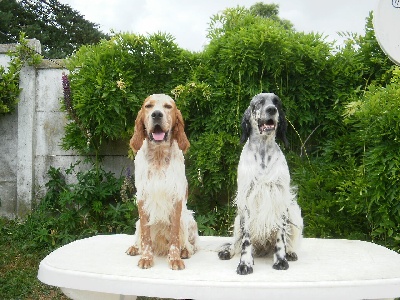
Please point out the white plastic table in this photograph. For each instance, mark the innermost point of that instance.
(98, 268)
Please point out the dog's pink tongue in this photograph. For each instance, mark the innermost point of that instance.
(159, 136)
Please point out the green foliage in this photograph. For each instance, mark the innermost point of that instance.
(269, 11)
(213, 160)
(376, 64)
(194, 99)
(19, 266)
(375, 119)
(249, 54)
(218, 221)
(351, 190)
(346, 182)
(320, 185)
(96, 203)
(9, 79)
(110, 80)
(342, 104)
(60, 29)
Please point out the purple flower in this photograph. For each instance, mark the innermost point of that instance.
(66, 90)
(67, 95)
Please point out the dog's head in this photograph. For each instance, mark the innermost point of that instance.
(160, 122)
(264, 118)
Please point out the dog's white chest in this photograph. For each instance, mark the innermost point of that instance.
(266, 165)
(160, 186)
(263, 187)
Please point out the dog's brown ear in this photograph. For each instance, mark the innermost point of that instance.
(139, 133)
(179, 132)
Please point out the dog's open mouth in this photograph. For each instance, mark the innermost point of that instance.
(158, 134)
(266, 126)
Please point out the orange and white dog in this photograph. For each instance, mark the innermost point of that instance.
(165, 225)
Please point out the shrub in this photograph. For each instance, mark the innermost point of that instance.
(9, 80)
(218, 221)
(351, 190)
(375, 118)
(249, 54)
(110, 80)
(212, 165)
(325, 215)
(97, 203)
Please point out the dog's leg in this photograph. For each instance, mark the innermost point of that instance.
(189, 235)
(174, 253)
(146, 261)
(295, 231)
(292, 242)
(246, 256)
(228, 250)
(280, 262)
(134, 249)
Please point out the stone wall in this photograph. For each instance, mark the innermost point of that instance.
(31, 138)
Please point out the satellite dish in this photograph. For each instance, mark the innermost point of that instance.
(386, 21)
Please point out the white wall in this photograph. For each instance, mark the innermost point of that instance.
(31, 138)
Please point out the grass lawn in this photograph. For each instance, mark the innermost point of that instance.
(19, 266)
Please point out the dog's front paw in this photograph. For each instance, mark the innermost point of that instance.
(145, 263)
(225, 252)
(244, 269)
(132, 251)
(224, 255)
(176, 264)
(281, 265)
(291, 256)
(185, 253)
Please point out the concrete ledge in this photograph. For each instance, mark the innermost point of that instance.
(32, 43)
(4, 48)
(326, 269)
(52, 64)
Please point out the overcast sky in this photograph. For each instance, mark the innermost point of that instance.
(187, 20)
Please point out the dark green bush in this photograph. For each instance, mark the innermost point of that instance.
(351, 190)
(218, 221)
(110, 80)
(249, 54)
(97, 202)
(319, 187)
(212, 165)
(376, 118)
(346, 179)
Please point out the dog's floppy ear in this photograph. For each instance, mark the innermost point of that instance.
(139, 133)
(179, 132)
(282, 123)
(246, 127)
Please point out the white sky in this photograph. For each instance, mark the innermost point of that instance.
(188, 20)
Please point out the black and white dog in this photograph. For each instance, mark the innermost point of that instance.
(268, 217)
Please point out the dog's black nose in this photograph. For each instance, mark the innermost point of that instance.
(157, 114)
(271, 110)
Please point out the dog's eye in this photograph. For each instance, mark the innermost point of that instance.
(148, 105)
(168, 106)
